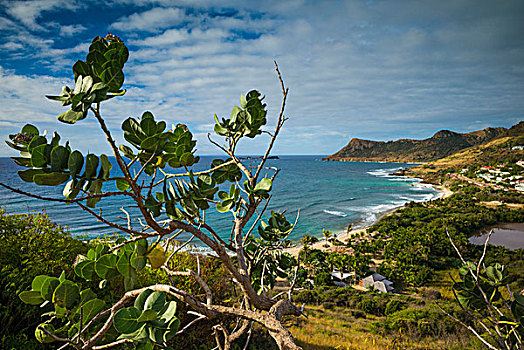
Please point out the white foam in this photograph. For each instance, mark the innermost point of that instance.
(383, 172)
(336, 213)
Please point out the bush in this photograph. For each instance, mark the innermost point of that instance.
(328, 305)
(358, 314)
(322, 278)
(393, 306)
(30, 245)
(419, 323)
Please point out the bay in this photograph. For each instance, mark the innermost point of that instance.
(329, 195)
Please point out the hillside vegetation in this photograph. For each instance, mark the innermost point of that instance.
(444, 143)
(493, 152)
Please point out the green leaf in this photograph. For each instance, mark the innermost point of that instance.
(22, 161)
(172, 329)
(122, 185)
(78, 267)
(75, 163)
(157, 334)
(168, 311)
(147, 346)
(148, 124)
(31, 297)
(50, 179)
(38, 281)
(95, 188)
(86, 295)
(62, 276)
(59, 158)
(187, 159)
(28, 174)
(225, 206)
(123, 264)
(91, 308)
(91, 166)
(148, 315)
(30, 129)
(35, 142)
(66, 294)
(105, 167)
(264, 185)
(153, 205)
(140, 301)
(81, 68)
(48, 288)
(42, 336)
(88, 270)
(157, 257)
(155, 301)
(71, 190)
(71, 117)
(104, 264)
(138, 258)
(126, 320)
(38, 158)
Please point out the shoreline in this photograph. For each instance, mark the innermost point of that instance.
(371, 160)
(323, 245)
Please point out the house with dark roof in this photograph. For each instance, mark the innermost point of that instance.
(378, 282)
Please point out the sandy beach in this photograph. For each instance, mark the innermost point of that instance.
(323, 245)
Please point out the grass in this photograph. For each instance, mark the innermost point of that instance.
(338, 329)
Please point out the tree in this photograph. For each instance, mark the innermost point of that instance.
(498, 321)
(168, 203)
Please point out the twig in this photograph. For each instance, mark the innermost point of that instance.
(110, 345)
(280, 122)
(468, 327)
(79, 199)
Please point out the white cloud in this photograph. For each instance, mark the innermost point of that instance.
(71, 30)
(151, 20)
(358, 69)
(28, 12)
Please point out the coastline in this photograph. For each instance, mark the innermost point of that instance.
(322, 244)
(371, 160)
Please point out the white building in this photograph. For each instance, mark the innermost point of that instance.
(378, 282)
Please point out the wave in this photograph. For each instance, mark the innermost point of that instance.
(383, 172)
(335, 212)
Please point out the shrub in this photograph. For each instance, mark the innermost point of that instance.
(393, 306)
(328, 305)
(30, 245)
(322, 278)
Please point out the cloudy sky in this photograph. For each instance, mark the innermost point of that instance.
(370, 69)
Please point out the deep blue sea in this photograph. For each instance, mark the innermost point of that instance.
(330, 195)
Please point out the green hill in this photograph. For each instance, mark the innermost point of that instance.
(444, 143)
(496, 151)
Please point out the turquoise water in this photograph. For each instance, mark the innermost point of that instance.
(330, 195)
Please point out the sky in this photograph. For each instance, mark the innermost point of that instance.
(379, 70)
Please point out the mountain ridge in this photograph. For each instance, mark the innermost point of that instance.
(442, 144)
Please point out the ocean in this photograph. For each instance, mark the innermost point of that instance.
(329, 195)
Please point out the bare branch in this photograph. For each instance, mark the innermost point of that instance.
(76, 200)
(280, 123)
(110, 345)
(471, 329)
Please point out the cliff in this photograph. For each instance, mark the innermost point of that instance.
(440, 145)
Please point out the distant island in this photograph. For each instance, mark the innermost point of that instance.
(444, 143)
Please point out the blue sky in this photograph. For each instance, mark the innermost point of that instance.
(370, 69)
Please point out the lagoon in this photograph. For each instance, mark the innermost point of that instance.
(510, 236)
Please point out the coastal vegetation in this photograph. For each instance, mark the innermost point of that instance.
(82, 317)
(142, 290)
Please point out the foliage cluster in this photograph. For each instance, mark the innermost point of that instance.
(168, 205)
(30, 245)
(414, 239)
